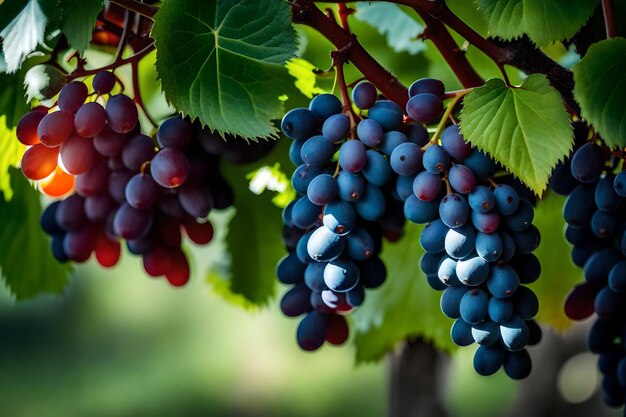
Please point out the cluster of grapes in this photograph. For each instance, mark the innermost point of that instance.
(595, 212)
(126, 186)
(347, 203)
(478, 239)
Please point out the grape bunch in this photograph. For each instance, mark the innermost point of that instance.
(125, 185)
(595, 212)
(347, 203)
(478, 239)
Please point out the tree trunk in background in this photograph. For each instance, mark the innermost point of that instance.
(415, 377)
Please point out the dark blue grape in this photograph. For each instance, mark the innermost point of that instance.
(482, 199)
(459, 242)
(387, 113)
(341, 275)
(606, 198)
(620, 183)
(404, 186)
(304, 213)
(481, 165)
(302, 177)
(174, 133)
(527, 240)
(599, 265)
(314, 276)
(290, 270)
(296, 302)
(435, 283)
(528, 268)
(337, 301)
(364, 95)
(433, 236)
(580, 206)
(446, 272)
(372, 272)
(506, 199)
(352, 156)
(48, 220)
(429, 262)
(299, 123)
(436, 159)
(454, 210)
(517, 365)
(427, 85)
(486, 333)
(317, 151)
(424, 107)
(350, 186)
(605, 224)
(359, 245)
(417, 134)
(617, 277)
(57, 248)
(472, 270)
(474, 305)
(356, 296)
(311, 332)
(514, 333)
(325, 105)
(406, 159)
(295, 150)
(508, 247)
(451, 301)
(377, 169)
(336, 127)
(587, 163)
(141, 192)
(322, 189)
(562, 181)
(418, 211)
(461, 179)
(461, 333)
(577, 235)
(488, 359)
(371, 206)
(453, 142)
(390, 141)
(370, 132)
(502, 281)
(324, 246)
(500, 310)
(489, 246)
(302, 248)
(339, 217)
(522, 218)
(427, 186)
(525, 303)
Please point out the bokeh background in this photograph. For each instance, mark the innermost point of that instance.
(120, 344)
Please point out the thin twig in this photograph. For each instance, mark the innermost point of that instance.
(124, 37)
(609, 19)
(134, 58)
(138, 7)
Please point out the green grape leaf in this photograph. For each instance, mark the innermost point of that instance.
(600, 88)
(26, 261)
(11, 151)
(12, 100)
(254, 238)
(544, 21)
(404, 306)
(525, 128)
(306, 80)
(78, 21)
(22, 28)
(399, 28)
(218, 64)
(558, 272)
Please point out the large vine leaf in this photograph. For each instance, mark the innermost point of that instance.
(544, 21)
(254, 238)
(79, 18)
(22, 27)
(525, 128)
(223, 61)
(11, 151)
(400, 29)
(404, 306)
(26, 261)
(600, 88)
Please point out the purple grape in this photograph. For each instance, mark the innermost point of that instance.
(89, 120)
(462, 179)
(141, 192)
(406, 159)
(103, 82)
(170, 168)
(427, 85)
(452, 141)
(174, 133)
(139, 150)
(424, 108)
(130, 223)
(109, 143)
(72, 96)
(427, 186)
(195, 199)
(122, 116)
(364, 95)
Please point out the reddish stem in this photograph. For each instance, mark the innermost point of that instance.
(609, 19)
(131, 59)
(305, 12)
